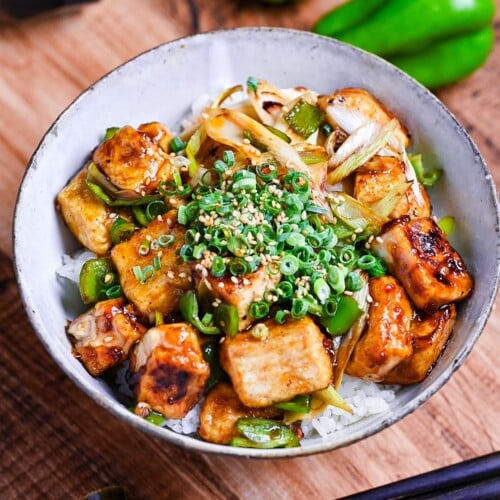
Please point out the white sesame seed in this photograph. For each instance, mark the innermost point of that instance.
(234, 279)
(221, 284)
(170, 275)
(378, 239)
(108, 339)
(182, 275)
(348, 292)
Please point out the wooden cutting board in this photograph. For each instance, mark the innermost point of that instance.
(57, 443)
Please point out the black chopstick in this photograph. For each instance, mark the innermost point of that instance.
(476, 478)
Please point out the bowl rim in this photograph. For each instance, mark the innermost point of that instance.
(196, 444)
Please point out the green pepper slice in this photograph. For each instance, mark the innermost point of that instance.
(96, 278)
(348, 311)
(188, 305)
(304, 118)
(263, 433)
(299, 404)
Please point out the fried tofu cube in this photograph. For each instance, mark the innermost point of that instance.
(386, 340)
(429, 335)
(238, 291)
(103, 336)
(165, 275)
(379, 176)
(417, 252)
(221, 410)
(132, 161)
(88, 218)
(168, 370)
(290, 360)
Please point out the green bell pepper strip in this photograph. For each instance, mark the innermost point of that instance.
(93, 279)
(210, 351)
(449, 60)
(226, 317)
(188, 305)
(348, 311)
(446, 224)
(264, 433)
(121, 230)
(403, 27)
(346, 16)
(426, 178)
(299, 404)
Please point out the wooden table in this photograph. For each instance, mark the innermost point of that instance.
(57, 443)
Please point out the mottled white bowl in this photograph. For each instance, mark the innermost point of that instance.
(161, 85)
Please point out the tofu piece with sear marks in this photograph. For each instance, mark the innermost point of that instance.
(103, 336)
(88, 218)
(417, 252)
(168, 369)
(386, 340)
(169, 276)
(290, 360)
(221, 410)
(429, 333)
(239, 291)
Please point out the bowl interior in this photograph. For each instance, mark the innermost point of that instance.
(161, 85)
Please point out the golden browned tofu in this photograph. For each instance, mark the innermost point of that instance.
(220, 411)
(168, 369)
(87, 217)
(429, 335)
(379, 176)
(386, 340)
(237, 291)
(350, 108)
(290, 360)
(133, 161)
(103, 336)
(158, 133)
(165, 275)
(419, 255)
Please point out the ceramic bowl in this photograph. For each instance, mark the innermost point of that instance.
(161, 85)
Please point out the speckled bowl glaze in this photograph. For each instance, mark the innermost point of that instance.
(161, 85)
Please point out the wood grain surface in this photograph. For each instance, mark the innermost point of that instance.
(57, 443)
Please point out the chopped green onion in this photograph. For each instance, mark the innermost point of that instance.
(289, 265)
(252, 83)
(218, 267)
(258, 310)
(188, 305)
(121, 230)
(321, 290)
(299, 309)
(348, 311)
(228, 157)
(165, 240)
(177, 144)
(238, 266)
(280, 316)
(220, 166)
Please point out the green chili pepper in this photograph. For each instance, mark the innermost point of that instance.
(96, 277)
(446, 224)
(188, 305)
(299, 404)
(226, 316)
(403, 27)
(435, 41)
(263, 433)
(121, 230)
(426, 178)
(348, 311)
(346, 16)
(304, 118)
(450, 60)
(210, 352)
(110, 133)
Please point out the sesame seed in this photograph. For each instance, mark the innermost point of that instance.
(221, 284)
(246, 281)
(348, 292)
(358, 230)
(246, 141)
(170, 275)
(215, 304)
(378, 239)
(108, 339)
(369, 299)
(182, 275)
(234, 279)
(149, 237)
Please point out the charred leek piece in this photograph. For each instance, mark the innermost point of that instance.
(263, 433)
(355, 214)
(350, 339)
(98, 281)
(304, 118)
(225, 95)
(188, 305)
(387, 204)
(363, 155)
(192, 148)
